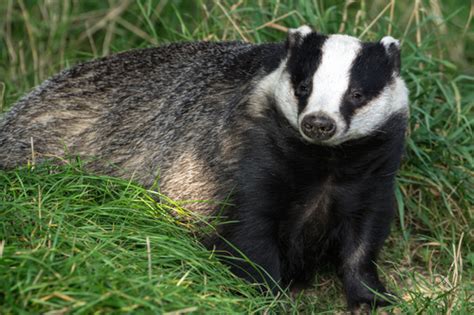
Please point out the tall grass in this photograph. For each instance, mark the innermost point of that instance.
(76, 242)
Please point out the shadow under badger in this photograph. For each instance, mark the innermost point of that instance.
(307, 134)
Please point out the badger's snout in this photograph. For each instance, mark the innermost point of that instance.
(318, 126)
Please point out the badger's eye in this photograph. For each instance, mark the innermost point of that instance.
(302, 89)
(356, 95)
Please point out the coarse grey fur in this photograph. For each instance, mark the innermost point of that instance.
(154, 113)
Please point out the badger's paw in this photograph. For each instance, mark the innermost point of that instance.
(362, 299)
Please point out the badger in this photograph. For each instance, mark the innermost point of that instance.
(302, 139)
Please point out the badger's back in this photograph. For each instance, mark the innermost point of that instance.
(160, 112)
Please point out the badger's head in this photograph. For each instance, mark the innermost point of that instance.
(336, 88)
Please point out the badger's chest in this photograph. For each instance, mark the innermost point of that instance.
(324, 196)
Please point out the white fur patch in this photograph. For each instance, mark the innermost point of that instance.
(387, 41)
(278, 85)
(331, 79)
(302, 30)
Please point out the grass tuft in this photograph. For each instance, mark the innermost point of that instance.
(72, 241)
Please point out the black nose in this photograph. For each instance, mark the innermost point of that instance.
(318, 127)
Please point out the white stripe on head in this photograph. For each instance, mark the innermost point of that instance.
(331, 80)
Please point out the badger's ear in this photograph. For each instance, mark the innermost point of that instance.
(296, 35)
(392, 47)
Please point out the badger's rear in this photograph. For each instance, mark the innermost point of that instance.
(168, 113)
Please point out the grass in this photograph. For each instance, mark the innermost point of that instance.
(75, 242)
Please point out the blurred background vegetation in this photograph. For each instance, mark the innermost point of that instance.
(39, 37)
(428, 260)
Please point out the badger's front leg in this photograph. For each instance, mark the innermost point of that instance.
(260, 199)
(253, 236)
(363, 236)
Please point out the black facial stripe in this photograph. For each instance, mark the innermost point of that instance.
(371, 72)
(305, 58)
